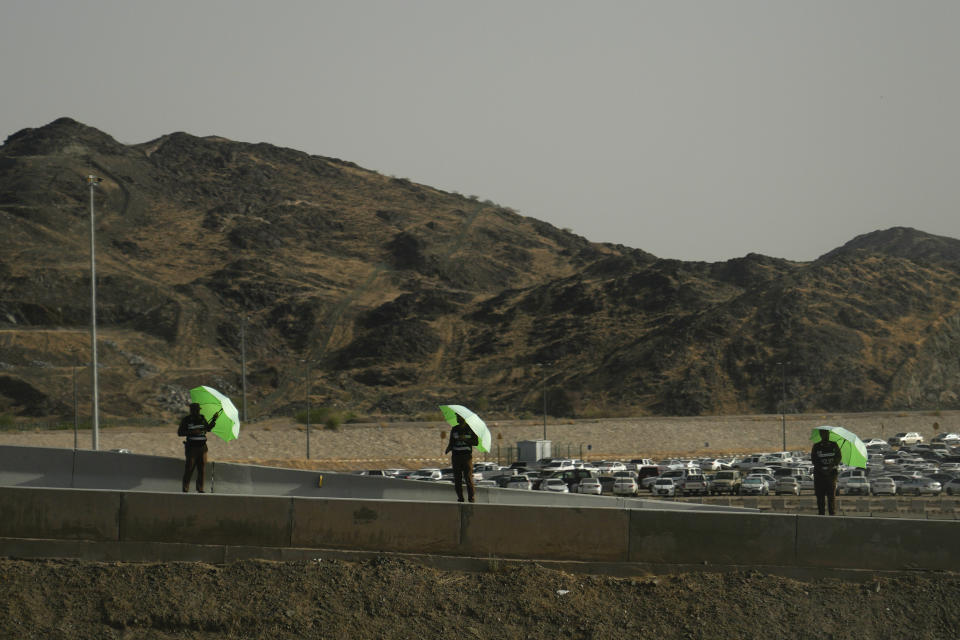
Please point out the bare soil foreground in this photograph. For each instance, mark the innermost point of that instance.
(391, 597)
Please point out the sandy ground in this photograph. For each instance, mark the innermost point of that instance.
(411, 445)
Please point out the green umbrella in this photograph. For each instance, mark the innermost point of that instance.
(853, 452)
(478, 426)
(211, 401)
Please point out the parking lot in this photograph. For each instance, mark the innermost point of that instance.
(903, 478)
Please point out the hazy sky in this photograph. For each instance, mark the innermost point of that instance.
(699, 129)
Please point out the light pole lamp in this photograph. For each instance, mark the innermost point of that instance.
(92, 182)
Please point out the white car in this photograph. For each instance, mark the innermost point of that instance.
(710, 465)
(591, 486)
(883, 486)
(519, 482)
(947, 438)
(664, 487)
(623, 486)
(609, 467)
(557, 485)
(952, 487)
(854, 485)
(920, 486)
(754, 486)
(426, 474)
(905, 438)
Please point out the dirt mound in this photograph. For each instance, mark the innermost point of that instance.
(392, 598)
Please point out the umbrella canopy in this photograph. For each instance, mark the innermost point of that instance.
(211, 401)
(853, 452)
(478, 426)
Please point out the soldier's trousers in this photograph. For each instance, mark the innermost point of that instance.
(463, 473)
(825, 486)
(196, 458)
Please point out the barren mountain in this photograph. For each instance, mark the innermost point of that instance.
(211, 253)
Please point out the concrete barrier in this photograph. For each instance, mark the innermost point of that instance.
(205, 519)
(553, 533)
(36, 467)
(60, 514)
(167, 526)
(421, 527)
(675, 537)
(247, 479)
(127, 471)
(878, 543)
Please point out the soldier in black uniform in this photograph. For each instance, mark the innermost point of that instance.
(194, 428)
(462, 442)
(825, 456)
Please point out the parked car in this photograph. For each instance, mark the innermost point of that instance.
(873, 441)
(590, 486)
(920, 486)
(905, 438)
(485, 483)
(647, 471)
(426, 474)
(806, 483)
(754, 486)
(573, 477)
(609, 466)
(520, 482)
(625, 487)
(556, 485)
(858, 485)
(883, 486)
(766, 477)
(606, 483)
(695, 484)
(952, 487)
(664, 487)
(726, 482)
(947, 438)
(786, 485)
(710, 465)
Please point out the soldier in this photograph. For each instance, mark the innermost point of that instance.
(194, 428)
(462, 442)
(825, 456)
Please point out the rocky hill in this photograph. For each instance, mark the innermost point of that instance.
(393, 296)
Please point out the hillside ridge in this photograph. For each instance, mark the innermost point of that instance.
(398, 296)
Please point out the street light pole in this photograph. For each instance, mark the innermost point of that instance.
(543, 370)
(243, 365)
(307, 362)
(76, 414)
(93, 181)
(783, 402)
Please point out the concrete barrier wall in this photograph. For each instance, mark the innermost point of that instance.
(128, 472)
(677, 537)
(144, 521)
(545, 532)
(36, 467)
(878, 543)
(411, 527)
(205, 519)
(60, 514)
